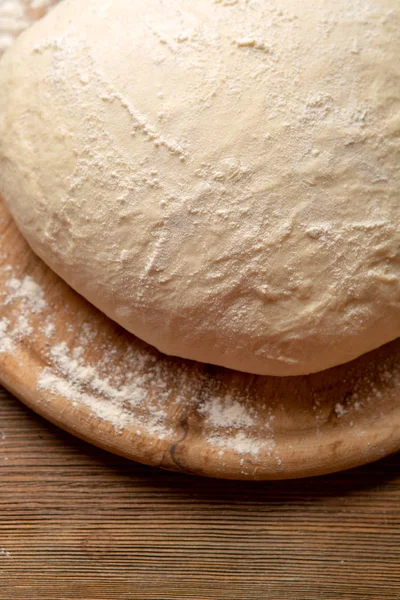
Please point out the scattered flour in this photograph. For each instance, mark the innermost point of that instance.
(242, 444)
(340, 410)
(23, 328)
(226, 412)
(72, 377)
(29, 291)
(5, 553)
(49, 329)
(6, 342)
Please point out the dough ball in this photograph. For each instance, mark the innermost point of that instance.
(220, 177)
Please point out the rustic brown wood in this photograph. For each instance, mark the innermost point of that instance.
(78, 523)
(301, 426)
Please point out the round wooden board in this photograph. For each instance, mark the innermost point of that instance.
(71, 364)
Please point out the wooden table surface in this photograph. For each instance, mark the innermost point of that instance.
(79, 523)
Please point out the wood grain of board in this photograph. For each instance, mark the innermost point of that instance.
(78, 523)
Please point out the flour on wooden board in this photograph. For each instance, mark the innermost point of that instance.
(117, 387)
(120, 394)
(28, 291)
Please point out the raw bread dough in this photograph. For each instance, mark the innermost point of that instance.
(219, 177)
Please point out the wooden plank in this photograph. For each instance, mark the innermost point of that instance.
(79, 523)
